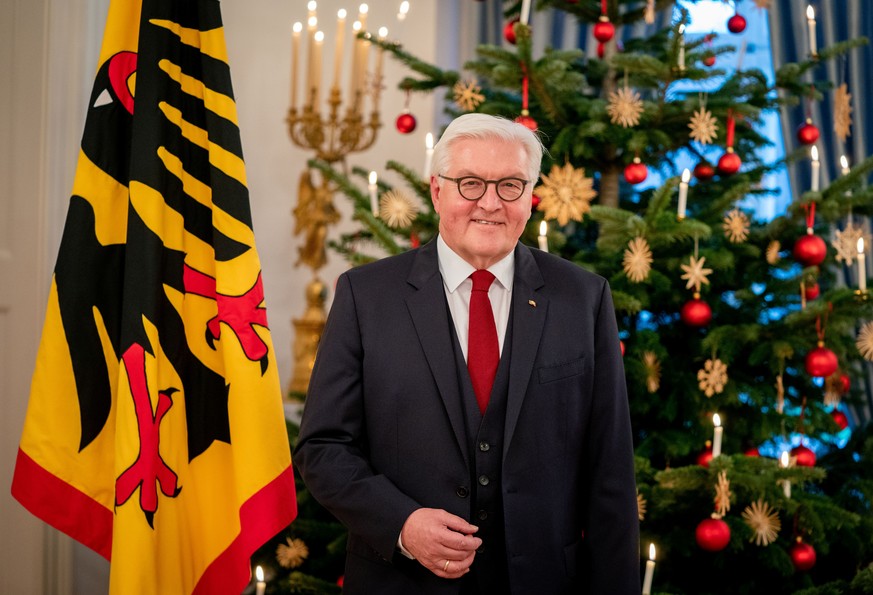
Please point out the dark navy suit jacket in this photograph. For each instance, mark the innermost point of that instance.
(383, 427)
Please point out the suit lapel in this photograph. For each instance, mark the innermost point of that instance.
(427, 306)
(528, 319)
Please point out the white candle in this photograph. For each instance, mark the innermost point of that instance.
(363, 9)
(428, 155)
(543, 239)
(401, 17)
(356, 61)
(374, 202)
(786, 484)
(862, 266)
(681, 47)
(316, 81)
(311, 26)
(261, 586)
(716, 438)
(525, 12)
(810, 22)
(816, 169)
(295, 60)
(683, 193)
(377, 80)
(650, 570)
(844, 163)
(340, 38)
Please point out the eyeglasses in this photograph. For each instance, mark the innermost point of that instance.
(474, 187)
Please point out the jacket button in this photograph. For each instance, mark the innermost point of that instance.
(484, 446)
(483, 480)
(462, 492)
(482, 514)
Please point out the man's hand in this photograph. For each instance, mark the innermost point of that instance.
(440, 541)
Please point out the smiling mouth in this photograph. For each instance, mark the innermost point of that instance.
(483, 222)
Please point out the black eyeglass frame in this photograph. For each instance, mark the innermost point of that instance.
(496, 183)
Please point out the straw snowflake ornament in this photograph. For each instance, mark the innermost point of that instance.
(637, 261)
(695, 274)
(292, 553)
(624, 107)
(653, 371)
(397, 209)
(842, 112)
(703, 126)
(864, 342)
(845, 242)
(565, 194)
(467, 95)
(763, 521)
(736, 226)
(712, 377)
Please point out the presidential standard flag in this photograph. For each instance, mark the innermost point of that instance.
(155, 431)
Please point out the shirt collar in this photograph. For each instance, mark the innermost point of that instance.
(455, 269)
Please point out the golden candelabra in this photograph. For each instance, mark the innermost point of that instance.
(332, 136)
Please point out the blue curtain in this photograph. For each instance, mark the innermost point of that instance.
(835, 22)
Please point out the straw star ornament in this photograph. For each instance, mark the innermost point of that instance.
(763, 521)
(467, 95)
(703, 126)
(625, 107)
(695, 274)
(565, 194)
(712, 377)
(637, 261)
(397, 209)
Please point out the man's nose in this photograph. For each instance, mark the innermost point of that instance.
(490, 201)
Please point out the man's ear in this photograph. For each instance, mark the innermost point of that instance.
(435, 193)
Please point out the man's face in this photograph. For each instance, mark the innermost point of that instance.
(482, 231)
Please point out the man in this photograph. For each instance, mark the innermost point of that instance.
(475, 447)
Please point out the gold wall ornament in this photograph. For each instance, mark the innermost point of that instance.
(332, 134)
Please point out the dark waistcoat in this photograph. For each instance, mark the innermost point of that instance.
(485, 445)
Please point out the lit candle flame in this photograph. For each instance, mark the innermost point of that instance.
(312, 22)
(373, 178)
(810, 13)
(363, 9)
(298, 27)
(341, 13)
(383, 32)
(651, 552)
(319, 36)
(860, 245)
(681, 29)
(784, 458)
(404, 9)
(686, 175)
(543, 228)
(259, 572)
(428, 140)
(844, 162)
(814, 153)
(716, 420)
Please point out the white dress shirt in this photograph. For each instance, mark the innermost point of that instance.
(456, 281)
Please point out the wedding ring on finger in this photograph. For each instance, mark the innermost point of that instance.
(446, 567)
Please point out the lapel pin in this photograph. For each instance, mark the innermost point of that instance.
(532, 303)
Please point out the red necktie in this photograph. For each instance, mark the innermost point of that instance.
(483, 352)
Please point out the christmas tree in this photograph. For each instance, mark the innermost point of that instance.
(738, 333)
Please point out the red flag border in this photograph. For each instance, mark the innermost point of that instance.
(61, 505)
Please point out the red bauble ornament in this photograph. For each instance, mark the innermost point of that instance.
(604, 30)
(528, 122)
(705, 456)
(704, 171)
(635, 172)
(845, 383)
(840, 419)
(713, 535)
(696, 312)
(737, 23)
(729, 163)
(811, 290)
(810, 250)
(405, 123)
(509, 31)
(807, 133)
(804, 456)
(341, 580)
(752, 452)
(534, 202)
(709, 60)
(802, 556)
(621, 345)
(414, 240)
(821, 362)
